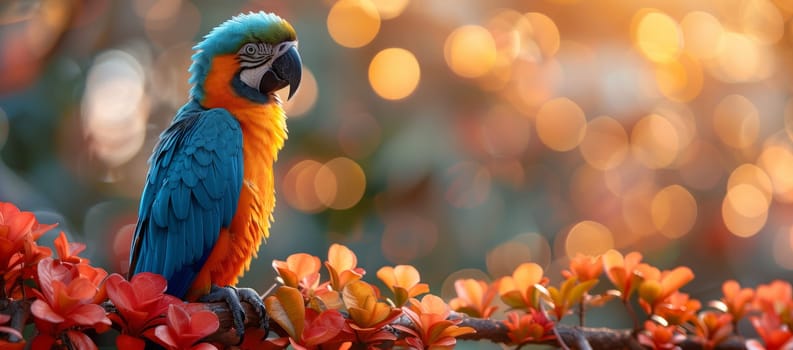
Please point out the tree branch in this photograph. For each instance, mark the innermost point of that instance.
(486, 330)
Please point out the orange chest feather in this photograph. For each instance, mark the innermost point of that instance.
(263, 134)
(263, 131)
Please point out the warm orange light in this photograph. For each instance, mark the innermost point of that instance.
(749, 200)
(750, 174)
(674, 211)
(605, 144)
(545, 33)
(340, 183)
(751, 65)
(394, 73)
(680, 80)
(299, 186)
(470, 51)
(762, 21)
(736, 121)
(389, 9)
(702, 33)
(655, 141)
(525, 247)
(353, 23)
(560, 124)
(788, 116)
(657, 36)
(588, 238)
(777, 161)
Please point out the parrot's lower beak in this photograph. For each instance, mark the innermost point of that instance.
(287, 69)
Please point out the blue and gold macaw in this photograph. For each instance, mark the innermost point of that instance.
(209, 194)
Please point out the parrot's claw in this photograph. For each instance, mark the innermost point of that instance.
(250, 296)
(230, 296)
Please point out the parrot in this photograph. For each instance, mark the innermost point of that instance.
(209, 195)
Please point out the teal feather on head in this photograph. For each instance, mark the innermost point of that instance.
(229, 37)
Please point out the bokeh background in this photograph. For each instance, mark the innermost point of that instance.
(462, 137)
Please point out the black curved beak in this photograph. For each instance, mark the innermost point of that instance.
(286, 70)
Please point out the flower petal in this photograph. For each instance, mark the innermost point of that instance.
(204, 323)
(43, 311)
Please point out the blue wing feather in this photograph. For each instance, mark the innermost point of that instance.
(191, 193)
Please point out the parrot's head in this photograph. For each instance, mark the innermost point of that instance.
(254, 54)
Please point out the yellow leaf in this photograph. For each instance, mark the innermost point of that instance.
(286, 307)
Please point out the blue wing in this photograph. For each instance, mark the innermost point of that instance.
(191, 192)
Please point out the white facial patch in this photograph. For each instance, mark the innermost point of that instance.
(253, 76)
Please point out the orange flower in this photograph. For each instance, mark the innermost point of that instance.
(532, 326)
(625, 273)
(656, 286)
(678, 309)
(775, 297)
(775, 334)
(67, 252)
(712, 328)
(307, 328)
(658, 337)
(736, 299)
(299, 271)
(519, 290)
(140, 302)
(584, 267)
(433, 328)
(341, 266)
(474, 297)
(403, 281)
(366, 312)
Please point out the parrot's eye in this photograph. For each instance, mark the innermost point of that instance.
(249, 49)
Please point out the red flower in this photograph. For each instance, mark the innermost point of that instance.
(64, 301)
(774, 333)
(18, 232)
(67, 251)
(183, 330)
(141, 304)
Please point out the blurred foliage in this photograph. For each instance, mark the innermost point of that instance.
(463, 139)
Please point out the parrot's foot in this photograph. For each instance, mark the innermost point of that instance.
(250, 296)
(233, 298)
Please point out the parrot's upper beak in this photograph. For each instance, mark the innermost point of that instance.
(287, 69)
